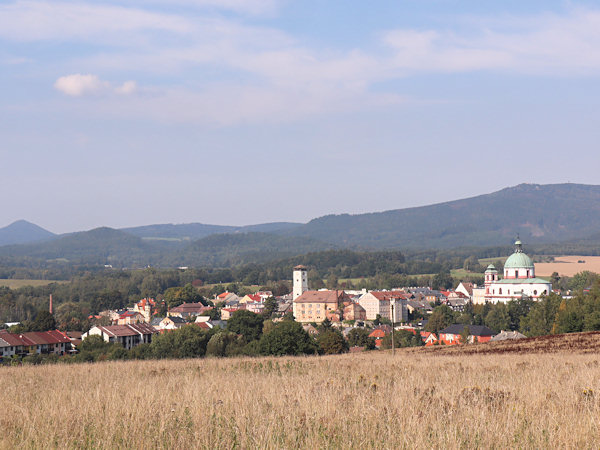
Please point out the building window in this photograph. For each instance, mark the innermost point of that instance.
(535, 292)
(500, 291)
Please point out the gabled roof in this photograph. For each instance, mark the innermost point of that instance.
(389, 295)
(175, 319)
(128, 330)
(190, 308)
(320, 297)
(474, 330)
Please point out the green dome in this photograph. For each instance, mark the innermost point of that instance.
(491, 268)
(518, 260)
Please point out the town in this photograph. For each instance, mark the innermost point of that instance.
(355, 320)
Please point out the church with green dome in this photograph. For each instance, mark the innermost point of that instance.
(519, 279)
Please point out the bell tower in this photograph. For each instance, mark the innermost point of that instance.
(300, 280)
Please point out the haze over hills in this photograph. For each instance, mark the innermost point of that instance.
(541, 214)
(21, 232)
(538, 213)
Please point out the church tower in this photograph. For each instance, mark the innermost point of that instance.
(300, 281)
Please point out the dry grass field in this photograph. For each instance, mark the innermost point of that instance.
(568, 265)
(545, 396)
(16, 284)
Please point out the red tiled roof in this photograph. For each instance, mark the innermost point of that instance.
(388, 295)
(377, 334)
(255, 297)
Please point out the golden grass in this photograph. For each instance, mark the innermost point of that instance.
(418, 399)
(568, 265)
(16, 284)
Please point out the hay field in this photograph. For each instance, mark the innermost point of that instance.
(568, 266)
(16, 284)
(418, 399)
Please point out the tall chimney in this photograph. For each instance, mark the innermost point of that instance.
(50, 303)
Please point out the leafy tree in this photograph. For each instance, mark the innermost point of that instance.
(246, 323)
(498, 318)
(540, 319)
(464, 335)
(270, 307)
(402, 338)
(287, 338)
(442, 280)
(359, 337)
(331, 342)
(441, 317)
(44, 321)
(224, 343)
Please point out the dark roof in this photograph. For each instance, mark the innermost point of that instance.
(176, 319)
(474, 330)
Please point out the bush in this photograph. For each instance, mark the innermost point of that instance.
(287, 338)
(332, 342)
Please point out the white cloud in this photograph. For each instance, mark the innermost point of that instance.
(31, 21)
(77, 85)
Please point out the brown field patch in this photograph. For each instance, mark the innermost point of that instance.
(420, 398)
(15, 284)
(568, 265)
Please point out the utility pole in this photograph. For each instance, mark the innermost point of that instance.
(392, 306)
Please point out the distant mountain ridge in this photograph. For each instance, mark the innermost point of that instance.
(538, 213)
(541, 214)
(21, 232)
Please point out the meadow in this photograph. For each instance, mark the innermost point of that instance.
(484, 396)
(16, 284)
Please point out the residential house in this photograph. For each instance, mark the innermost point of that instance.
(251, 298)
(34, 342)
(466, 288)
(129, 317)
(353, 311)
(316, 306)
(264, 294)
(146, 307)
(226, 313)
(381, 303)
(477, 333)
(378, 334)
(255, 307)
(172, 323)
(186, 310)
(128, 336)
(429, 338)
(419, 305)
(227, 298)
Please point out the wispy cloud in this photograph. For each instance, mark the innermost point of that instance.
(77, 85)
(247, 72)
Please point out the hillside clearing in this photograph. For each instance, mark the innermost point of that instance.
(569, 265)
(16, 284)
(428, 398)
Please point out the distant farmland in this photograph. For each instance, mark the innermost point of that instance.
(568, 265)
(15, 284)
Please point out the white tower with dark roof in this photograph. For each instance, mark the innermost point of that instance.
(300, 280)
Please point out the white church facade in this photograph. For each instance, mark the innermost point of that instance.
(519, 279)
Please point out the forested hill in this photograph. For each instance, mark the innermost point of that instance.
(193, 231)
(538, 213)
(108, 246)
(21, 232)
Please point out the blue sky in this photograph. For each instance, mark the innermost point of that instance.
(248, 111)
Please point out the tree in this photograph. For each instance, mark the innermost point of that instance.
(442, 280)
(224, 343)
(287, 338)
(331, 342)
(246, 323)
(498, 318)
(402, 338)
(359, 337)
(270, 307)
(441, 317)
(44, 321)
(464, 335)
(540, 319)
